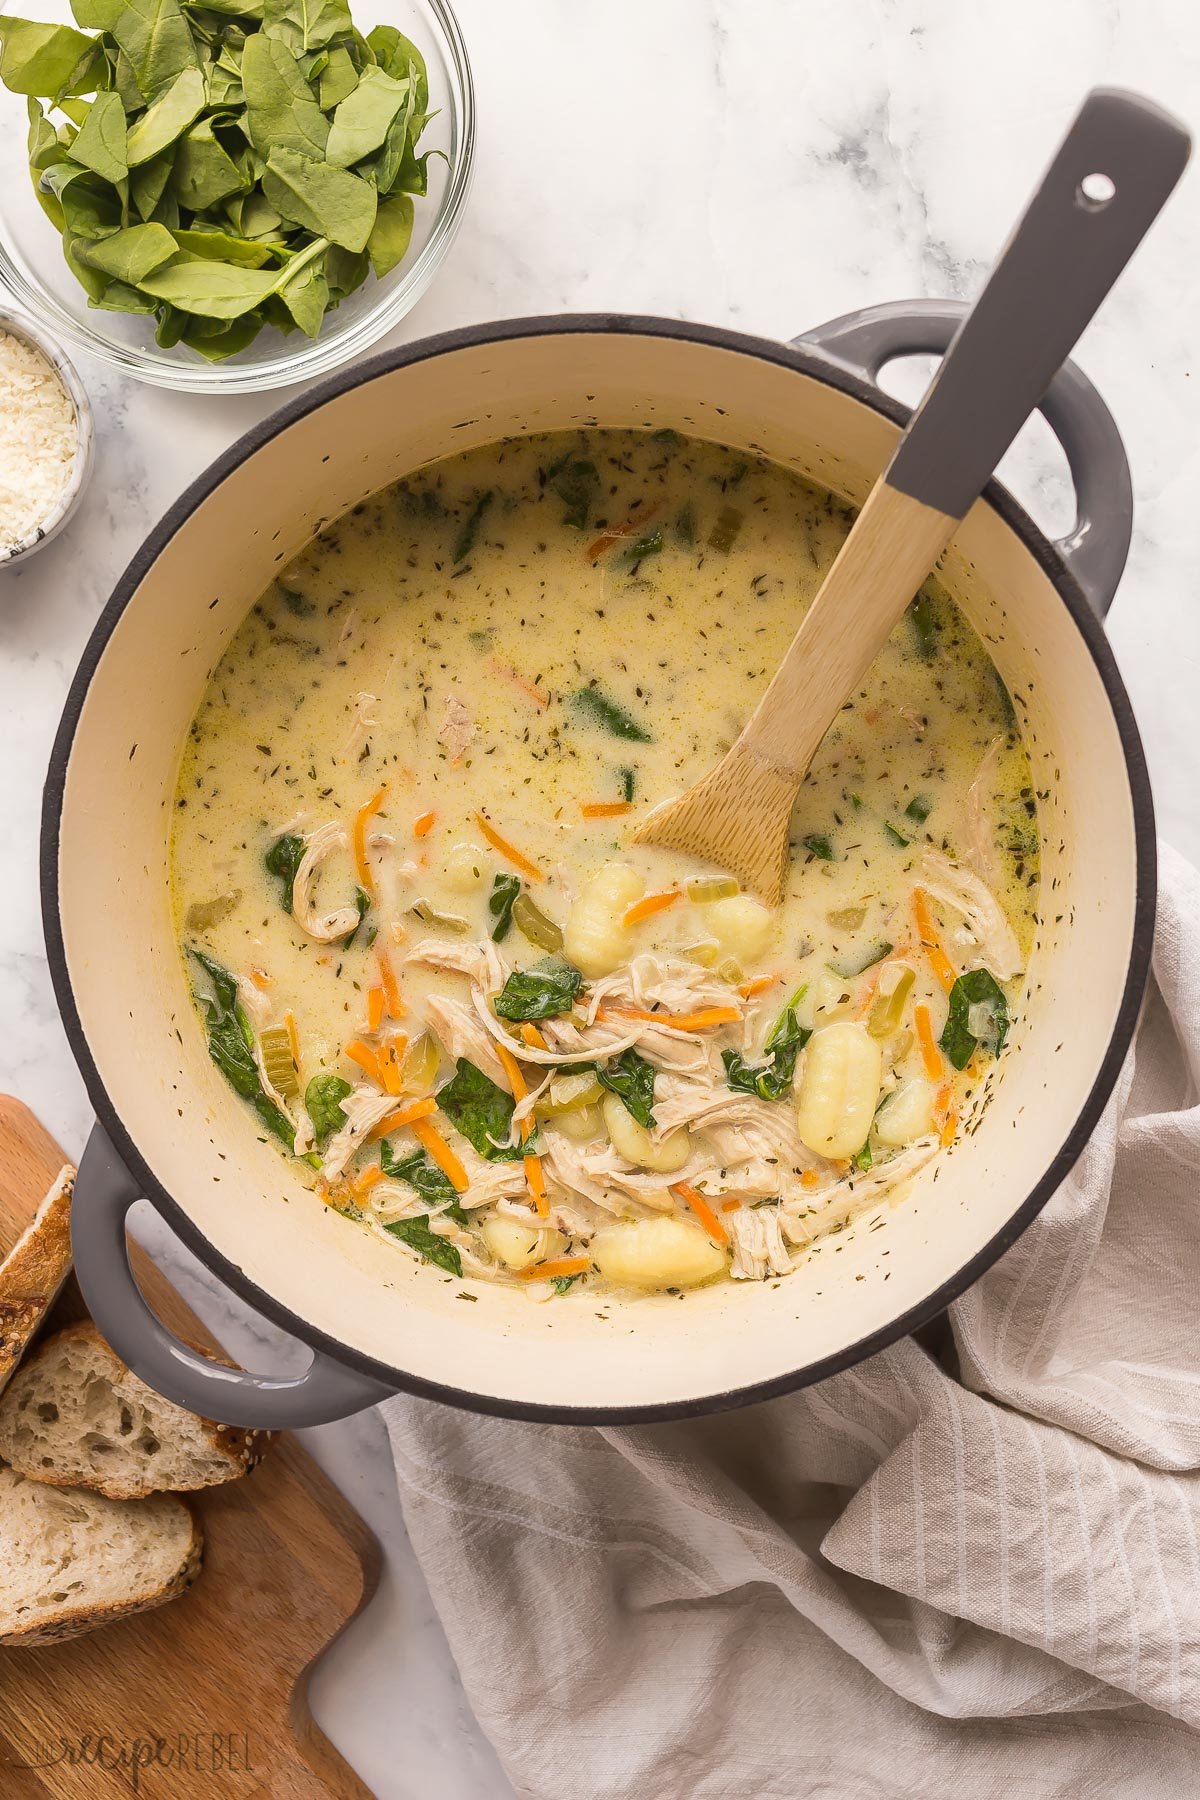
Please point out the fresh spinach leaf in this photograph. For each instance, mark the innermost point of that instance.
(166, 118)
(543, 991)
(918, 809)
(417, 1235)
(505, 891)
(132, 254)
(595, 708)
(978, 1017)
(480, 1110)
(231, 1045)
(469, 531)
(391, 233)
(42, 59)
(282, 860)
(338, 78)
(153, 34)
(281, 109)
(631, 1077)
(219, 246)
(362, 120)
(203, 171)
(100, 142)
(395, 55)
(330, 202)
(306, 24)
(323, 1103)
(215, 290)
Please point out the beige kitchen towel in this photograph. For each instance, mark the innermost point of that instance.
(904, 1581)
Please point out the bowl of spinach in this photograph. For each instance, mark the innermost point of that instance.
(230, 194)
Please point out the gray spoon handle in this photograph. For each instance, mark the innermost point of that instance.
(1075, 237)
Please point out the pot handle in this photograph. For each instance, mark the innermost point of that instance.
(1096, 546)
(104, 1192)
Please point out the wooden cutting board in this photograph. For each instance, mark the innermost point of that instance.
(206, 1695)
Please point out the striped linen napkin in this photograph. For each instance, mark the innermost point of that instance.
(902, 1581)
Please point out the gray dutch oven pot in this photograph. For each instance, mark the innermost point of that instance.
(168, 1130)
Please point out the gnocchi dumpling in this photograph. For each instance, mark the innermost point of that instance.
(516, 1245)
(464, 868)
(594, 938)
(656, 1253)
(839, 1086)
(907, 1114)
(637, 1145)
(741, 924)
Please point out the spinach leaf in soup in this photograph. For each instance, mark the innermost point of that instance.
(482, 1111)
(469, 531)
(978, 1018)
(434, 1249)
(282, 860)
(323, 1103)
(231, 1045)
(631, 1078)
(505, 892)
(596, 708)
(772, 1079)
(425, 1177)
(576, 481)
(543, 991)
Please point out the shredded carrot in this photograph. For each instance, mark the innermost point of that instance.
(423, 825)
(293, 1039)
(403, 1115)
(363, 1183)
(533, 1165)
(930, 1054)
(260, 978)
(702, 1210)
(730, 1205)
(537, 694)
(533, 1036)
(502, 844)
(376, 1001)
(367, 1060)
(809, 1178)
(749, 989)
(550, 1271)
(439, 1151)
(939, 962)
(389, 1065)
(391, 987)
(362, 819)
(607, 539)
(949, 1129)
(653, 903)
(605, 809)
(697, 1021)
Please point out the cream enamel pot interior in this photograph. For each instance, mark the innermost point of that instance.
(169, 1128)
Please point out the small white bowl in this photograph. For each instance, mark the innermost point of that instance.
(22, 326)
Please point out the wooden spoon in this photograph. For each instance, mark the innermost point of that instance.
(1115, 168)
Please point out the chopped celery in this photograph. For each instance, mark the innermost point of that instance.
(440, 921)
(712, 887)
(533, 924)
(420, 1066)
(276, 1047)
(887, 1008)
(724, 532)
(849, 918)
(859, 960)
(569, 1093)
(707, 952)
(202, 915)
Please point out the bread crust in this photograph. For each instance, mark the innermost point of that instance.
(240, 1450)
(33, 1272)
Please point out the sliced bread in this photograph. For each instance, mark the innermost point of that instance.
(33, 1272)
(75, 1416)
(71, 1561)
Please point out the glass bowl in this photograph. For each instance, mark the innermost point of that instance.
(34, 274)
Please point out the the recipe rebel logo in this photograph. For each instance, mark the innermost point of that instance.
(193, 1757)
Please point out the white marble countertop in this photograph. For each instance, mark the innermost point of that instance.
(764, 165)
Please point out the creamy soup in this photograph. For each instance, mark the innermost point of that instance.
(477, 1017)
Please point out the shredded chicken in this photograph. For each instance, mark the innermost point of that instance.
(460, 1034)
(987, 931)
(979, 818)
(327, 927)
(457, 729)
(255, 1004)
(757, 1244)
(482, 963)
(363, 1109)
(363, 721)
(568, 1044)
(306, 1138)
(667, 981)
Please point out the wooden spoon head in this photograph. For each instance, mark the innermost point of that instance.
(737, 817)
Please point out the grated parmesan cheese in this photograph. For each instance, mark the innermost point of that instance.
(39, 435)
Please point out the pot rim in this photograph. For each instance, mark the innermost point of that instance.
(804, 361)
